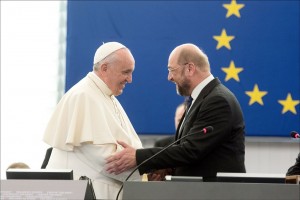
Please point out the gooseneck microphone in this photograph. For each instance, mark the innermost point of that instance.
(205, 130)
(294, 134)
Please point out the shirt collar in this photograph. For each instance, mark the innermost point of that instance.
(200, 87)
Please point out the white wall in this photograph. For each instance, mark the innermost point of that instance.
(271, 155)
(30, 77)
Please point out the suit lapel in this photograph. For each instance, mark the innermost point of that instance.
(178, 129)
(206, 90)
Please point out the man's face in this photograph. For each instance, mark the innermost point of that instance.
(177, 75)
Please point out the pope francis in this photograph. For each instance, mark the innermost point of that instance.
(88, 121)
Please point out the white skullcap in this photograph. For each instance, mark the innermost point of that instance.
(106, 49)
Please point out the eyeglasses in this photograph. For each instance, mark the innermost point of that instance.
(170, 69)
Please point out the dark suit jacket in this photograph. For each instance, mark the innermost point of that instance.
(163, 142)
(222, 150)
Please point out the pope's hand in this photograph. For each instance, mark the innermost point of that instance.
(121, 161)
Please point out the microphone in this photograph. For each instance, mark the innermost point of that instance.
(294, 134)
(205, 130)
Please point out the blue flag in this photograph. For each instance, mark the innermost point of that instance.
(253, 48)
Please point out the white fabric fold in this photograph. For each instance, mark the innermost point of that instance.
(80, 118)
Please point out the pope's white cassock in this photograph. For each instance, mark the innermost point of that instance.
(84, 130)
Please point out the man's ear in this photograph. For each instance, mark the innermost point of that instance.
(191, 68)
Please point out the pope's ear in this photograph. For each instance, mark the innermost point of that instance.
(103, 67)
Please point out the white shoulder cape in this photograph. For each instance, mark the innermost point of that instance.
(87, 114)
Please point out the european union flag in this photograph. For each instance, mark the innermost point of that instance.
(253, 47)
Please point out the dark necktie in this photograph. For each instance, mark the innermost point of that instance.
(189, 101)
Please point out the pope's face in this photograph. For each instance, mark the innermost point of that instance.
(120, 73)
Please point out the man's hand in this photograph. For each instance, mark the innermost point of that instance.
(159, 175)
(121, 161)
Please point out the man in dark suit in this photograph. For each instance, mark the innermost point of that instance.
(222, 150)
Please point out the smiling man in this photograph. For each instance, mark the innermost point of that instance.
(222, 150)
(89, 120)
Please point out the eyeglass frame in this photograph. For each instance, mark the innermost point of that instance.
(171, 70)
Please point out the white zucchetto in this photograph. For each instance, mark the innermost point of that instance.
(106, 49)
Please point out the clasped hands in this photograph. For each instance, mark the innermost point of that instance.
(126, 159)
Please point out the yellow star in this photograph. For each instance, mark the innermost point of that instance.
(256, 95)
(289, 104)
(232, 71)
(233, 8)
(223, 39)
